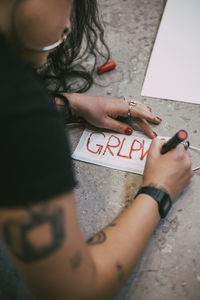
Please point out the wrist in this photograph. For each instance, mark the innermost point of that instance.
(65, 103)
(148, 202)
(160, 196)
(159, 186)
(74, 99)
(146, 208)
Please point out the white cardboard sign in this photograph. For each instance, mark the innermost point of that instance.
(113, 150)
(174, 68)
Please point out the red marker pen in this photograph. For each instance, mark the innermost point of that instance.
(178, 138)
(107, 67)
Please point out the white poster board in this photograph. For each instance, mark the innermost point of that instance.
(174, 68)
(113, 150)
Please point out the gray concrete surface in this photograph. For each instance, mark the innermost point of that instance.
(170, 267)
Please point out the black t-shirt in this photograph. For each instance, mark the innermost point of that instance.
(35, 161)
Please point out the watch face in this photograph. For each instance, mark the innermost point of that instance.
(164, 206)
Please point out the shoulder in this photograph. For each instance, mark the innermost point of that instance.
(21, 88)
(35, 153)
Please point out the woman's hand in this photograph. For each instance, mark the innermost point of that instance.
(170, 171)
(103, 111)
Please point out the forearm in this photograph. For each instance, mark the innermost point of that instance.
(74, 100)
(67, 105)
(126, 241)
(121, 244)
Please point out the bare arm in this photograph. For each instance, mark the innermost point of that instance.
(48, 248)
(47, 245)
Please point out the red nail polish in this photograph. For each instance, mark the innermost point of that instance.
(159, 119)
(128, 131)
(155, 134)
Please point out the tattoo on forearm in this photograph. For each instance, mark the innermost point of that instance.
(39, 235)
(120, 271)
(75, 261)
(112, 225)
(99, 238)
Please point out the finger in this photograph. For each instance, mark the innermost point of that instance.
(156, 147)
(142, 106)
(146, 128)
(180, 152)
(121, 108)
(118, 126)
(140, 112)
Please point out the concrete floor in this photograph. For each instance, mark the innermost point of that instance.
(170, 267)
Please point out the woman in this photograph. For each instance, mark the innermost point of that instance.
(38, 220)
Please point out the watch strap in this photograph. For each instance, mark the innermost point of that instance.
(161, 197)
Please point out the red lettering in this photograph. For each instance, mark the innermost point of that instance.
(119, 152)
(143, 154)
(100, 146)
(137, 149)
(108, 146)
(114, 142)
(141, 147)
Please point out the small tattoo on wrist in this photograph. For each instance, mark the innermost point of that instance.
(98, 238)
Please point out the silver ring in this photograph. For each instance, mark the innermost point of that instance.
(186, 144)
(131, 104)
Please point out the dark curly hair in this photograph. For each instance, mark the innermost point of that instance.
(65, 71)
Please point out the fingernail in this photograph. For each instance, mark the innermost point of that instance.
(155, 134)
(149, 108)
(128, 131)
(159, 119)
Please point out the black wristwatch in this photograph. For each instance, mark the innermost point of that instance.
(163, 199)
